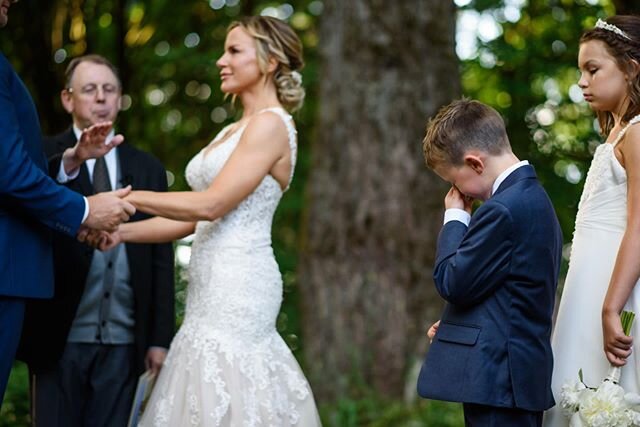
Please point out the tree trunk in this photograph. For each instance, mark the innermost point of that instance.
(373, 209)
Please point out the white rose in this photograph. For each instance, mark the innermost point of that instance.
(606, 407)
(571, 396)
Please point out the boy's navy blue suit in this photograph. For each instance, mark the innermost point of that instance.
(498, 276)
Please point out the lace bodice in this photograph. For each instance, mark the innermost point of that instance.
(249, 224)
(604, 197)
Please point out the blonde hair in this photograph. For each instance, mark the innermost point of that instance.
(275, 39)
(460, 126)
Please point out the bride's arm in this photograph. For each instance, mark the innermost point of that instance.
(626, 272)
(263, 143)
(154, 230)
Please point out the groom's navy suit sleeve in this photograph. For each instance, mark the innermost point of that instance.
(30, 202)
(471, 262)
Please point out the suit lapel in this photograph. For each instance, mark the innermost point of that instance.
(523, 172)
(126, 159)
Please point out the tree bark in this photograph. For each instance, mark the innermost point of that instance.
(373, 209)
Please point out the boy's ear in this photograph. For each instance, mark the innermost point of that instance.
(475, 163)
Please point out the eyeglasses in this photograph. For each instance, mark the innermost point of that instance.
(91, 90)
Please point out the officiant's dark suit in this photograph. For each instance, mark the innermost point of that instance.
(498, 276)
(86, 347)
(48, 323)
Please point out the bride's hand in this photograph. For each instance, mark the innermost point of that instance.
(109, 240)
(617, 345)
(101, 240)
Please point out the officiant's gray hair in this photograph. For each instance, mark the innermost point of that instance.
(460, 126)
(93, 58)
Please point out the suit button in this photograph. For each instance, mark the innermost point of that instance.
(103, 323)
(107, 294)
(110, 265)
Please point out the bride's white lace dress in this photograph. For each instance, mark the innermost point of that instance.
(227, 365)
(600, 225)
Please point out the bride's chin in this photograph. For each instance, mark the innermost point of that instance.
(228, 90)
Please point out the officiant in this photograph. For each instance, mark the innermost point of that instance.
(112, 315)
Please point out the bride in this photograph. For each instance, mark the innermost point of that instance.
(227, 365)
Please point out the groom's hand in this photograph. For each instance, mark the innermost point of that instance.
(108, 210)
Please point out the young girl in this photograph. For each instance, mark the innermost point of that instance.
(227, 365)
(605, 263)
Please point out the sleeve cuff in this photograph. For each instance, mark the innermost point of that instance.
(86, 210)
(62, 177)
(455, 214)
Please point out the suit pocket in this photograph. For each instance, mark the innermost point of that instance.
(458, 334)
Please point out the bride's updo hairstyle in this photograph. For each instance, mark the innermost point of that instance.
(275, 39)
(621, 36)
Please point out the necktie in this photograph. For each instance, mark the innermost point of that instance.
(101, 181)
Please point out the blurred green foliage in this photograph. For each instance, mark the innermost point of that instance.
(166, 53)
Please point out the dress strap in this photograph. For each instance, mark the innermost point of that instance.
(634, 120)
(292, 132)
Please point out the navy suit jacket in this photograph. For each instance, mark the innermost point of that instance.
(499, 279)
(31, 204)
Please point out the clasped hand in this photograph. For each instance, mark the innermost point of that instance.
(101, 240)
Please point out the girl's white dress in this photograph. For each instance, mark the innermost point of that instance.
(227, 365)
(600, 225)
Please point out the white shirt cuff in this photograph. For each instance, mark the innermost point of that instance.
(455, 214)
(63, 178)
(86, 210)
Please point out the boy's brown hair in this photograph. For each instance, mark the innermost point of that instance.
(462, 125)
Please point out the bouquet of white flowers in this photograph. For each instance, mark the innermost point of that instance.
(605, 406)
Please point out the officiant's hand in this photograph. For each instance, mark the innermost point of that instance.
(456, 200)
(91, 145)
(617, 345)
(155, 359)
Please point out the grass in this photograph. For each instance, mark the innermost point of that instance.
(368, 411)
(14, 411)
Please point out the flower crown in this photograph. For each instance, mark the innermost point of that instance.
(610, 27)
